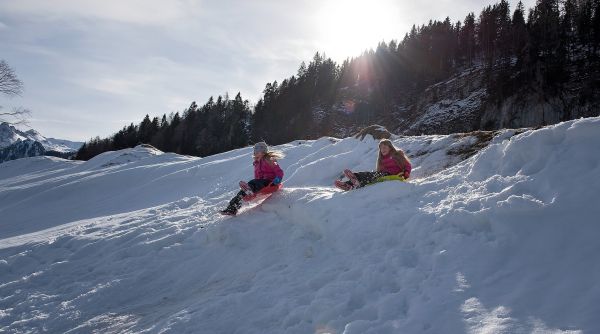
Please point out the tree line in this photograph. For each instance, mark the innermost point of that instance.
(543, 46)
(219, 125)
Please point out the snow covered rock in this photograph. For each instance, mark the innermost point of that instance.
(376, 131)
(21, 149)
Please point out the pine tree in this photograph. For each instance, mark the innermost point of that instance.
(145, 131)
(504, 31)
(487, 34)
(519, 32)
(568, 27)
(584, 23)
(467, 39)
(545, 27)
(595, 27)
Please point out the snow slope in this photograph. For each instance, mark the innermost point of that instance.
(130, 242)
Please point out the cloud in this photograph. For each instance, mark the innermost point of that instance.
(129, 11)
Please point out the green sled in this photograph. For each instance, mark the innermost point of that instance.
(390, 178)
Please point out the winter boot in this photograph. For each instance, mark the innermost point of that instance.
(352, 178)
(230, 211)
(343, 185)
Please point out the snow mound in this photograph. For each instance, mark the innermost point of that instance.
(121, 157)
(502, 242)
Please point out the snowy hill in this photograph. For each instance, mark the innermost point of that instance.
(14, 140)
(492, 235)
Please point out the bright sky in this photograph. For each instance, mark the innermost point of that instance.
(91, 66)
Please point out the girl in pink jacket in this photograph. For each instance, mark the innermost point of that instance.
(266, 172)
(390, 161)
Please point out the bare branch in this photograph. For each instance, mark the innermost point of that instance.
(9, 83)
(19, 114)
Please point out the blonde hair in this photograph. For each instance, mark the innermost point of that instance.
(396, 153)
(273, 155)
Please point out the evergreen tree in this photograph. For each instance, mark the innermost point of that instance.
(519, 32)
(545, 28)
(584, 22)
(467, 39)
(504, 31)
(145, 130)
(568, 27)
(595, 27)
(487, 34)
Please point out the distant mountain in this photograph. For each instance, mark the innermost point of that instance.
(22, 149)
(15, 144)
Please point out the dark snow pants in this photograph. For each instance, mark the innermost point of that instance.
(366, 178)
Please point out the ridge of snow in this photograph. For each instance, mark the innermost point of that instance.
(130, 241)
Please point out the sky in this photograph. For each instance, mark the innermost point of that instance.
(91, 67)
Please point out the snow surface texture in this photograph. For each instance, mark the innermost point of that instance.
(130, 241)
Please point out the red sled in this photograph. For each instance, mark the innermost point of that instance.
(264, 192)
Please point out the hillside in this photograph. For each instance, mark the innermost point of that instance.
(494, 233)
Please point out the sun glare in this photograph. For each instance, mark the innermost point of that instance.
(349, 27)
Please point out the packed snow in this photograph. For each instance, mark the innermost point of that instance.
(505, 241)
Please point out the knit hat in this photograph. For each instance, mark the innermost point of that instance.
(260, 147)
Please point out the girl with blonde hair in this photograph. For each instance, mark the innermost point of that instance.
(266, 172)
(390, 161)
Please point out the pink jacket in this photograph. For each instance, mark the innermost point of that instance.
(389, 165)
(267, 171)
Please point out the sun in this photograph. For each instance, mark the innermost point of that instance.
(348, 27)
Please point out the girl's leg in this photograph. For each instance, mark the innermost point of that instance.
(365, 178)
(236, 203)
(257, 184)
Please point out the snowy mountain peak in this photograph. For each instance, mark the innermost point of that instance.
(10, 135)
(13, 140)
(31, 133)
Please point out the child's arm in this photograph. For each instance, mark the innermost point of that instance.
(278, 171)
